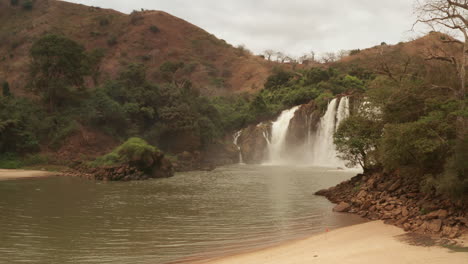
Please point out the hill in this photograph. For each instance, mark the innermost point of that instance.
(152, 38)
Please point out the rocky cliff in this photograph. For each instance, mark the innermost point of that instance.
(253, 142)
(303, 124)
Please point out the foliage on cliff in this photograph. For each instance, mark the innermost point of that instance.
(415, 112)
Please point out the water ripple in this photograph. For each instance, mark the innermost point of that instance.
(187, 218)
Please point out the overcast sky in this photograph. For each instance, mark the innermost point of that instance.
(291, 26)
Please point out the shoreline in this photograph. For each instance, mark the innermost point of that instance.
(6, 174)
(372, 242)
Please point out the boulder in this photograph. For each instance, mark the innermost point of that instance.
(394, 186)
(342, 207)
(404, 211)
(253, 143)
(440, 214)
(434, 225)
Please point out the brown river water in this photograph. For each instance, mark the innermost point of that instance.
(191, 217)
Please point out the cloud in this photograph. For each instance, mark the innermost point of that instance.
(293, 26)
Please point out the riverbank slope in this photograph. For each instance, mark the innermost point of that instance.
(24, 174)
(373, 242)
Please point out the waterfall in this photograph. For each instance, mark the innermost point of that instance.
(343, 111)
(279, 130)
(317, 147)
(322, 149)
(236, 138)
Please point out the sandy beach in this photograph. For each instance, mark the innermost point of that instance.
(24, 174)
(373, 242)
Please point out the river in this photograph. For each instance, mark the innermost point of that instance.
(190, 217)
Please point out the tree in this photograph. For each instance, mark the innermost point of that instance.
(57, 64)
(268, 53)
(328, 57)
(280, 57)
(356, 140)
(94, 59)
(452, 15)
(6, 89)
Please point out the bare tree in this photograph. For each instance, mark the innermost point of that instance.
(343, 53)
(268, 53)
(312, 55)
(451, 15)
(280, 56)
(328, 57)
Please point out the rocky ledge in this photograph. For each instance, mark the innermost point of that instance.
(398, 201)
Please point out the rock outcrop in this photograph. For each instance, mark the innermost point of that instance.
(158, 167)
(305, 121)
(398, 201)
(253, 143)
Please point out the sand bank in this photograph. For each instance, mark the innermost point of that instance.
(372, 242)
(24, 174)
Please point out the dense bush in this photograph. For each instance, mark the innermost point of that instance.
(417, 128)
(135, 151)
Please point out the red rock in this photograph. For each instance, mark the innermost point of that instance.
(402, 221)
(342, 207)
(434, 225)
(404, 211)
(394, 186)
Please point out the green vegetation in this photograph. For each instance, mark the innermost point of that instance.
(171, 115)
(6, 89)
(27, 5)
(135, 151)
(356, 139)
(14, 2)
(112, 41)
(409, 126)
(285, 89)
(57, 68)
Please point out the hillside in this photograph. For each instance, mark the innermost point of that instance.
(149, 37)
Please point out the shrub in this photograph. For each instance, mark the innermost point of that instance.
(112, 41)
(27, 5)
(6, 89)
(104, 21)
(154, 29)
(354, 52)
(14, 2)
(35, 159)
(135, 151)
(136, 18)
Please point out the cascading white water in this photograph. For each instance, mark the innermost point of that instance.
(279, 130)
(322, 149)
(236, 138)
(343, 111)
